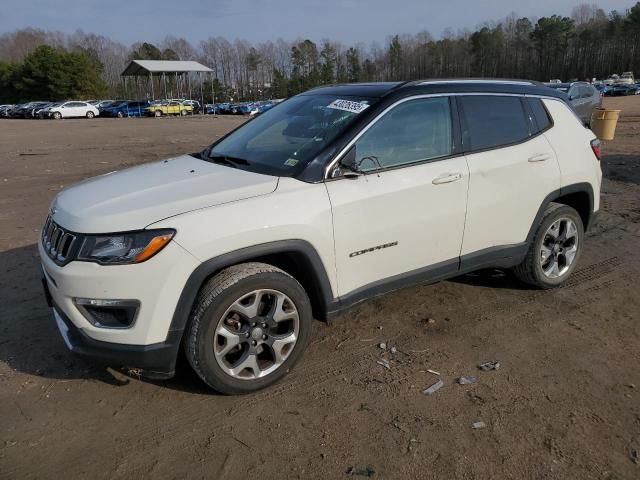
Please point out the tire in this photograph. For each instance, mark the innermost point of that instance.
(537, 268)
(157, 113)
(183, 113)
(215, 311)
(90, 115)
(120, 115)
(57, 115)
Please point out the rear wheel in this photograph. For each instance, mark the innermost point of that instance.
(555, 248)
(120, 115)
(57, 115)
(183, 113)
(250, 325)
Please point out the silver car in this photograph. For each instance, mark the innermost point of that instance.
(583, 96)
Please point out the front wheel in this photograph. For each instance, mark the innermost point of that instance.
(157, 113)
(183, 113)
(90, 115)
(250, 325)
(57, 115)
(555, 248)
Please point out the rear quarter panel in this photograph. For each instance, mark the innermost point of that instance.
(572, 145)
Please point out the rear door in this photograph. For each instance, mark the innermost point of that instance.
(512, 169)
(405, 216)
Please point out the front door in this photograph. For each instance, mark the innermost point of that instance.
(404, 217)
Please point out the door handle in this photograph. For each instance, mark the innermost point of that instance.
(447, 178)
(540, 157)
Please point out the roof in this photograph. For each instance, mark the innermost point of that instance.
(374, 89)
(145, 67)
(461, 85)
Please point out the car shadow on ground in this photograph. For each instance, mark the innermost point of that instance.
(624, 168)
(492, 278)
(29, 339)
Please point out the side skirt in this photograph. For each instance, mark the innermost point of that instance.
(496, 257)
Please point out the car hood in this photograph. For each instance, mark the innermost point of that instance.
(137, 197)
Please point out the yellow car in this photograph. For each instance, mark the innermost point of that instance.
(169, 108)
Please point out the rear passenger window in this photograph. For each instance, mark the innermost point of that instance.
(540, 114)
(493, 121)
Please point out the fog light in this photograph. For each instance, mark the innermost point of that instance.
(108, 313)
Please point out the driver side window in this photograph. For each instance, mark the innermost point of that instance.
(413, 131)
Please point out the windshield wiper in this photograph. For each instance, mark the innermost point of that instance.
(229, 161)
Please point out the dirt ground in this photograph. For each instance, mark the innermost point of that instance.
(565, 403)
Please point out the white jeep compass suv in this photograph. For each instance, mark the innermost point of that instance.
(332, 197)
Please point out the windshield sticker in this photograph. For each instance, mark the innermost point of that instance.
(291, 162)
(348, 106)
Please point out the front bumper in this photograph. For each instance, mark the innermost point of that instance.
(157, 284)
(156, 361)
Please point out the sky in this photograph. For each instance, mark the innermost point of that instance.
(349, 21)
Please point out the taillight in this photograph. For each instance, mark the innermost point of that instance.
(595, 146)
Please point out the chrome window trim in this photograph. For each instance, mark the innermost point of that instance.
(346, 148)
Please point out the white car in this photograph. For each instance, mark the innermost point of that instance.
(73, 109)
(332, 197)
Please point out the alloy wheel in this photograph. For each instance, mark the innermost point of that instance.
(256, 334)
(559, 247)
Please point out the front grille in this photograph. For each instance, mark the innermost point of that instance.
(57, 242)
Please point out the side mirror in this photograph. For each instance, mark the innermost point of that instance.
(347, 166)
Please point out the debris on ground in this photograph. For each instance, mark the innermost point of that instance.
(489, 366)
(361, 472)
(382, 345)
(631, 385)
(434, 388)
(385, 363)
(634, 455)
(410, 445)
(393, 350)
(433, 372)
(467, 380)
(477, 425)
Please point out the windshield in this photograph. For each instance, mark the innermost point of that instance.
(282, 140)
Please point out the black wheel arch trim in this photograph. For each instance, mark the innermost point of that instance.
(213, 265)
(582, 187)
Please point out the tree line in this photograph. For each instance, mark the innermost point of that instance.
(36, 64)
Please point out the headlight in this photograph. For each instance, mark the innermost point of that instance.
(123, 248)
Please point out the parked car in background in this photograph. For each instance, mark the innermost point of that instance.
(583, 96)
(195, 105)
(172, 107)
(25, 110)
(602, 88)
(101, 103)
(626, 78)
(73, 109)
(623, 89)
(5, 110)
(45, 112)
(35, 112)
(132, 108)
(612, 79)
